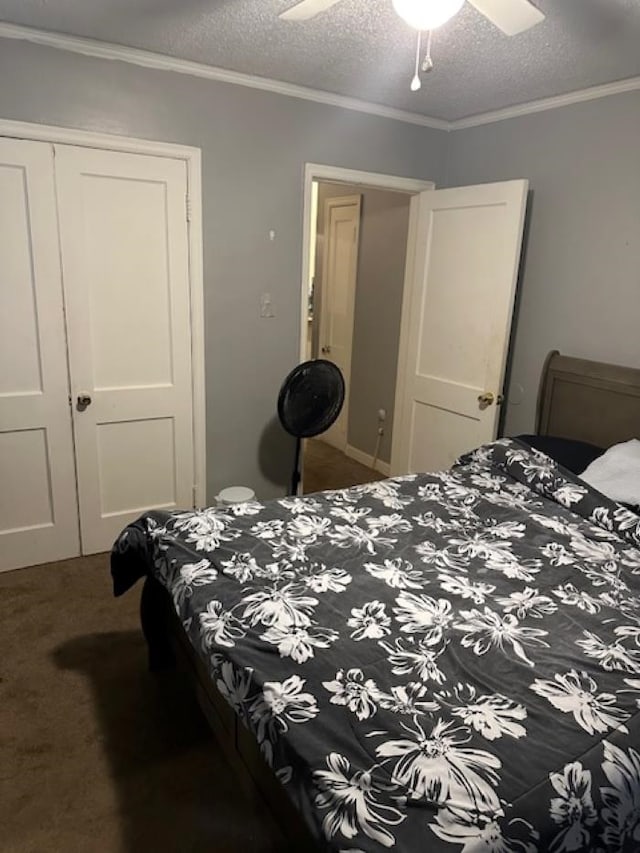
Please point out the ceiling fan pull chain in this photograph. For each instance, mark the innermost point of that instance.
(427, 63)
(416, 82)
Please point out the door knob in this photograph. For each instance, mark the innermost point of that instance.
(486, 399)
(83, 401)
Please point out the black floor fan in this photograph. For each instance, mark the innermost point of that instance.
(309, 401)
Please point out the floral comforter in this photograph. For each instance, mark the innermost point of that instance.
(438, 662)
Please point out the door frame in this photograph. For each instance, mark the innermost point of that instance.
(337, 174)
(366, 180)
(193, 203)
(403, 344)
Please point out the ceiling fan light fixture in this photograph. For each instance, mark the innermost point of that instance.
(427, 14)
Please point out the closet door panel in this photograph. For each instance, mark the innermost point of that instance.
(124, 246)
(38, 505)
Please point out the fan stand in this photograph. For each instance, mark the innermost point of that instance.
(295, 476)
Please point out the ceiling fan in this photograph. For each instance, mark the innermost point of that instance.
(510, 16)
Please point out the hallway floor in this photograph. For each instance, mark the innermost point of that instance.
(327, 468)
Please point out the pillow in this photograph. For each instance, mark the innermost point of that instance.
(572, 455)
(617, 473)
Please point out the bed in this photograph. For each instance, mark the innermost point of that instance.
(437, 662)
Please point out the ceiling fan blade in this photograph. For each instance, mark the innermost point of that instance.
(307, 9)
(510, 16)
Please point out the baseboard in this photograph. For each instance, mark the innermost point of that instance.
(366, 459)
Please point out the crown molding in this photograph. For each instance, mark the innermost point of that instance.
(631, 84)
(161, 62)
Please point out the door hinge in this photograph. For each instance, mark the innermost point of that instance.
(187, 204)
(194, 496)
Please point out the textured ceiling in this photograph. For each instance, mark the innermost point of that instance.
(361, 49)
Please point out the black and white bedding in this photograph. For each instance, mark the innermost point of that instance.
(438, 662)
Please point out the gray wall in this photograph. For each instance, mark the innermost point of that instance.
(376, 328)
(581, 283)
(254, 147)
(581, 279)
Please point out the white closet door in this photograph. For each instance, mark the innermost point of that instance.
(123, 233)
(38, 507)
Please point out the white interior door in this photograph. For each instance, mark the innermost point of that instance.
(339, 276)
(123, 236)
(457, 314)
(38, 507)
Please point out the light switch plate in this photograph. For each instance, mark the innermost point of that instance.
(266, 306)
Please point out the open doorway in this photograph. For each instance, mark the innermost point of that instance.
(357, 250)
(463, 248)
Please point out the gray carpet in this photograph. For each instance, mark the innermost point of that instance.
(97, 754)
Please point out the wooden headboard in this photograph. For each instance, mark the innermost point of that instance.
(588, 401)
